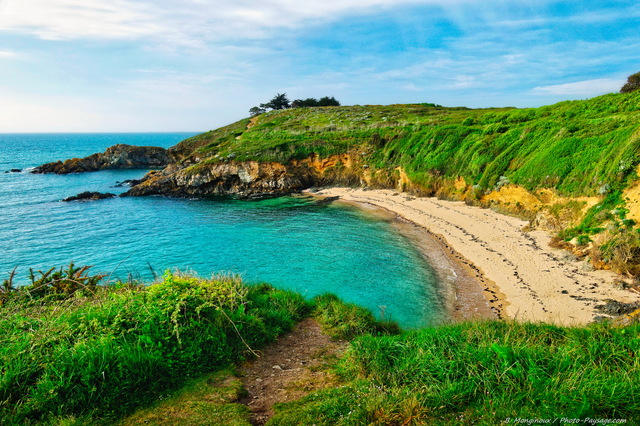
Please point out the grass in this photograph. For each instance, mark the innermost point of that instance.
(161, 355)
(480, 373)
(577, 147)
(100, 354)
(209, 400)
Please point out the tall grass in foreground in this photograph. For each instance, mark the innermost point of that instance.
(481, 373)
(100, 353)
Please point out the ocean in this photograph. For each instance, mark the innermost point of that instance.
(289, 242)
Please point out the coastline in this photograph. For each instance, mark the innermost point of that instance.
(519, 275)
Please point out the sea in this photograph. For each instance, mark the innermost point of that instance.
(289, 242)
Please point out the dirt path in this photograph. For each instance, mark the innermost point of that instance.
(288, 369)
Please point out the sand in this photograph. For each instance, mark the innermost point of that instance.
(522, 278)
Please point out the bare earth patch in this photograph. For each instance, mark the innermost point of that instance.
(289, 369)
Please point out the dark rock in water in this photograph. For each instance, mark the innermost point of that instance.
(88, 195)
(14, 171)
(128, 182)
(326, 200)
(119, 156)
(613, 307)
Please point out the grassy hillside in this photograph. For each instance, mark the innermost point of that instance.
(578, 147)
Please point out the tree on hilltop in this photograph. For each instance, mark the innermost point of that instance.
(313, 102)
(632, 84)
(279, 101)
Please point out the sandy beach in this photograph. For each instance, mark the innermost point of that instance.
(522, 278)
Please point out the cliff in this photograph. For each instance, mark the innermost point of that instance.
(119, 156)
(246, 179)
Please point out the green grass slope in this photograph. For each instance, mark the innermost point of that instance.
(96, 353)
(481, 373)
(577, 147)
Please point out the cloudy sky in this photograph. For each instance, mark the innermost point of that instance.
(194, 65)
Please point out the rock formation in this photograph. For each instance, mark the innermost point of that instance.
(247, 179)
(88, 195)
(241, 179)
(119, 156)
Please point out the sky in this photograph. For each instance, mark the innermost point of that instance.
(196, 65)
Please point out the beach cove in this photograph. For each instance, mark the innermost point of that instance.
(521, 277)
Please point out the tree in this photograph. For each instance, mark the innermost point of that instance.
(256, 111)
(279, 101)
(302, 103)
(328, 101)
(632, 85)
(313, 102)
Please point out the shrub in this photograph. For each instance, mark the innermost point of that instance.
(632, 84)
(106, 352)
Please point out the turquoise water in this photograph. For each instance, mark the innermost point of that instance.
(290, 242)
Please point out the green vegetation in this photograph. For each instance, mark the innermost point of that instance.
(100, 352)
(208, 400)
(280, 101)
(346, 320)
(632, 84)
(480, 373)
(94, 354)
(577, 147)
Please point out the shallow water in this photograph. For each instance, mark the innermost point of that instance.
(290, 242)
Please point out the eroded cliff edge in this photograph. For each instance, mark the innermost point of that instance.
(247, 179)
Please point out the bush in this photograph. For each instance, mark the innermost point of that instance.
(632, 84)
(106, 352)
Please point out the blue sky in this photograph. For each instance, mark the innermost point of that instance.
(195, 65)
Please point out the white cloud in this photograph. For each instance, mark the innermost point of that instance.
(581, 88)
(66, 19)
(178, 21)
(8, 54)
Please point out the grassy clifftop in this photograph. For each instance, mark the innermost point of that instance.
(577, 147)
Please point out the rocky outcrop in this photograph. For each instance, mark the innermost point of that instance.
(247, 179)
(119, 156)
(88, 195)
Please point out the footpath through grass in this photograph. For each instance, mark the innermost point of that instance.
(481, 373)
(98, 353)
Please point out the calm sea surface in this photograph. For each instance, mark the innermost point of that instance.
(289, 242)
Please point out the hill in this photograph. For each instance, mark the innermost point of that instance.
(570, 167)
